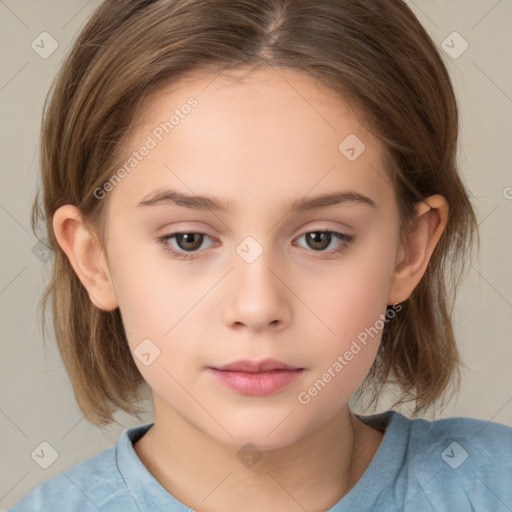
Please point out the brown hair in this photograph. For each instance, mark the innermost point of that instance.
(375, 52)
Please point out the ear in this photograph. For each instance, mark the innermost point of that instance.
(414, 254)
(86, 256)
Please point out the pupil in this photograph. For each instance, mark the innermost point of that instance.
(188, 240)
(317, 242)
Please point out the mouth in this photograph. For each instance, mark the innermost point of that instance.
(250, 366)
(257, 378)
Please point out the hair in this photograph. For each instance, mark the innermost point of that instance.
(374, 52)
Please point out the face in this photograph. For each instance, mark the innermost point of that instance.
(260, 278)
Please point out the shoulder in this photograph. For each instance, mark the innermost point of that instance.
(87, 486)
(462, 463)
(457, 439)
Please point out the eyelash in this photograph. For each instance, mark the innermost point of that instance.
(163, 241)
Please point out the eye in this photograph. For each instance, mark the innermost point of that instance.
(321, 240)
(187, 242)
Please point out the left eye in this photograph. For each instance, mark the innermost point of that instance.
(320, 240)
(189, 243)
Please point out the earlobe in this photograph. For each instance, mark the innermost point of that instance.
(417, 249)
(85, 255)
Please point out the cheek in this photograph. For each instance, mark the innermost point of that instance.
(355, 317)
(157, 303)
(350, 300)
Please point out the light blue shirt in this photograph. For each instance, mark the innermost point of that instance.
(453, 465)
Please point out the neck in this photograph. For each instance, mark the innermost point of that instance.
(313, 473)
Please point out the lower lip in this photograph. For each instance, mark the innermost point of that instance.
(263, 383)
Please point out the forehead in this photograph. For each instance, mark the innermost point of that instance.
(250, 88)
(265, 130)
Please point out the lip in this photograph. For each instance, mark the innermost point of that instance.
(258, 378)
(250, 366)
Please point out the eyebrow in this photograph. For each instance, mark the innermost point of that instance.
(175, 198)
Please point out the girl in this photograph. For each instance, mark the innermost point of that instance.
(255, 209)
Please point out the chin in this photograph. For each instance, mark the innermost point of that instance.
(264, 435)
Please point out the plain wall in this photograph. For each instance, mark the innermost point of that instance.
(36, 399)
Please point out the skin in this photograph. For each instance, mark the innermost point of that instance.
(260, 139)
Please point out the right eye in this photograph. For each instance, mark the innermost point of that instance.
(187, 242)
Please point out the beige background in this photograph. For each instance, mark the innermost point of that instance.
(36, 400)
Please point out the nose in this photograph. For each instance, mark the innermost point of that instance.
(258, 297)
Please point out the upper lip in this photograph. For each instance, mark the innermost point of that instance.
(248, 365)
